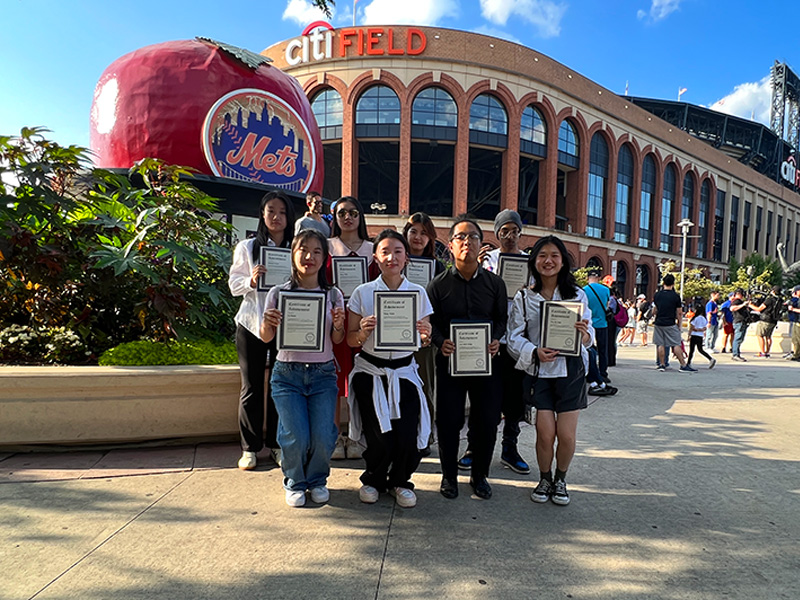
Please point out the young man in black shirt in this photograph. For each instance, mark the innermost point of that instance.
(769, 310)
(466, 291)
(667, 326)
(740, 309)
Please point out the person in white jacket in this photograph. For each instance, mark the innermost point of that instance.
(275, 228)
(559, 386)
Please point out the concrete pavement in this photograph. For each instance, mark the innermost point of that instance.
(684, 486)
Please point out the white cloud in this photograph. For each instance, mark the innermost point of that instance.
(498, 33)
(659, 9)
(544, 15)
(303, 12)
(408, 12)
(748, 100)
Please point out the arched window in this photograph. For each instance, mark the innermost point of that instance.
(533, 132)
(642, 279)
(327, 108)
(379, 105)
(646, 204)
(487, 114)
(598, 177)
(436, 107)
(702, 226)
(621, 280)
(687, 206)
(594, 264)
(667, 202)
(622, 213)
(568, 144)
(488, 122)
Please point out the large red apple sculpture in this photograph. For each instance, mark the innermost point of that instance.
(219, 109)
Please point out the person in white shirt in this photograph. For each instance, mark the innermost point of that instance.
(559, 391)
(386, 398)
(697, 333)
(274, 229)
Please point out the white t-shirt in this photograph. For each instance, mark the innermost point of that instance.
(699, 322)
(362, 303)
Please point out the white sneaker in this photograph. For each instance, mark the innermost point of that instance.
(712, 363)
(368, 494)
(404, 497)
(295, 498)
(275, 453)
(338, 451)
(248, 461)
(353, 449)
(320, 495)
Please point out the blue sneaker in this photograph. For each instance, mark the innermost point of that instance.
(687, 369)
(511, 458)
(465, 462)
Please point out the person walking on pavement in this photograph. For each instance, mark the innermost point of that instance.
(666, 330)
(727, 324)
(769, 311)
(697, 330)
(794, 309)
(712, 316)
(741, 317)
(598, 295)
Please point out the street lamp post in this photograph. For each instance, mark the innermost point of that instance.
(685, 224)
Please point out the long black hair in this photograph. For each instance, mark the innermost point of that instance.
(420, 218)
(336, 231)
(566, 280)
(302, 237)
(262, 233)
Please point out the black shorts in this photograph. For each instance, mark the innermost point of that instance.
(562, 394)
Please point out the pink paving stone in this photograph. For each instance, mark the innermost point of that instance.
(143, 461)
(222, 456)
(47, 466)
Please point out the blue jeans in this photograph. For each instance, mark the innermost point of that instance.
(711, 336)
(739, 329)
(305, 397)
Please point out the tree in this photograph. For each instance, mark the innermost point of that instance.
(695, 282)
(760, 264)
(325, 6)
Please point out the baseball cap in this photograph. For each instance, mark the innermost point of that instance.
(641, 297)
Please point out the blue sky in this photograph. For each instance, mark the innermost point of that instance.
(54, 51)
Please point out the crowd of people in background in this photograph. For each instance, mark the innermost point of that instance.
(353, 400)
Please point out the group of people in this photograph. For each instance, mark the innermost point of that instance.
(389, 403)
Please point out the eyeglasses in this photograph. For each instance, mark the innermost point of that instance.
(343, 212)
(463, 237)
(505, 234)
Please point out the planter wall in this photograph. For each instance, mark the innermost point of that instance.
(86, 405)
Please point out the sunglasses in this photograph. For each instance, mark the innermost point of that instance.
(343, 212)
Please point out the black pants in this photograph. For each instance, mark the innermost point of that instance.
(391, 457)
(601, 337)
(696, 341)
(484, 416)
(513, 403)
(612, 331)
(253, 364)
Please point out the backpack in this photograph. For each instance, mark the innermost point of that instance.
(776, 310)
(647, 313)
(621, 316)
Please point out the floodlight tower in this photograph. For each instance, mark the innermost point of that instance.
(785, 91)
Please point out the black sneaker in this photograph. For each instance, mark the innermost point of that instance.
(542, 491)
(511, 458)
(465, 462)
(560, 495)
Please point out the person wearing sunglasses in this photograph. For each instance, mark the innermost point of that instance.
(507, 230)
(468, 292)
(313, 216)
(349, 238)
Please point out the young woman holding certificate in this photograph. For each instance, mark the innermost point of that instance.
(559, 390)
(275, 229)
(421, 236)
(349, 239)
(304, 381)
(387, 402)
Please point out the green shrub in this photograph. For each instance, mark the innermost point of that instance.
(149, 353)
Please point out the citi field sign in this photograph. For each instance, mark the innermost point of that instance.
(321, 41)
(790, 172)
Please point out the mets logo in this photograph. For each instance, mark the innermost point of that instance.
(252, 135)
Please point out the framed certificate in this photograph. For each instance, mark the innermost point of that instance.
(396, 320)
(471, 356)
(558, 327)
(302, 321)
(349, 272)
(513, 270)
(278, 262)
(420, 270)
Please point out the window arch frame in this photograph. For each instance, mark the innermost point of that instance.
(327, 130)
(568, 139)
(536, 143)
(378, 128)
(435, 130)
(485, 136)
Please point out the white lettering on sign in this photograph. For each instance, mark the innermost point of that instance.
(317, 43)
(790, 172)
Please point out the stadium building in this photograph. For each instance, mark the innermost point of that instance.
(447, 122)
